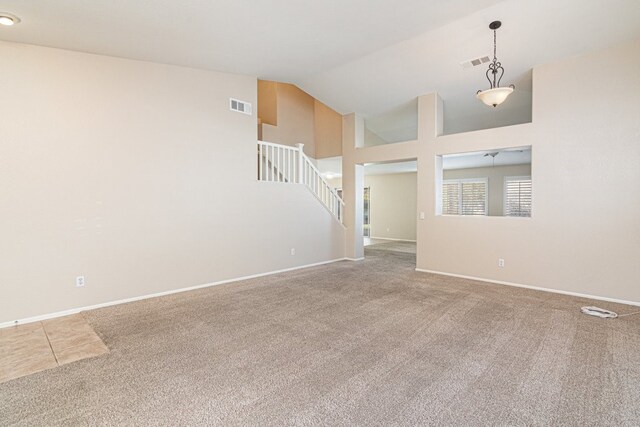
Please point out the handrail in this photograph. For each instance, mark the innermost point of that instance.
(286, 164)
(333, 190)
(277, 145)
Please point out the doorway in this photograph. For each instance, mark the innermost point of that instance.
(366, 218)
(390, 207)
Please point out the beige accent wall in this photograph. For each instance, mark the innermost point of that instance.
(495, 176)
(392, 205)
(584, 233)
(268, 102)
(288, 115)
(327, 131)
(295, 119)
(139, 177)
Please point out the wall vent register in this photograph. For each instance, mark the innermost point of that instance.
(240, 106)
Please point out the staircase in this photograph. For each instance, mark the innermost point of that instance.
(289, 165)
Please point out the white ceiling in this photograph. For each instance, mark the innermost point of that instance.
(480, 159)
(533, 33)
(285, 40)
(367, 56)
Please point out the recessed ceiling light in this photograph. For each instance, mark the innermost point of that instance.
(8, 19)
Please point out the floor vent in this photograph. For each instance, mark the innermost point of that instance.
(239, 106)
(475, 62)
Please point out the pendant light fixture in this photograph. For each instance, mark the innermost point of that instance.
(495, 95)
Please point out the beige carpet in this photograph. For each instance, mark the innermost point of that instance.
(351, 343)
(393, 245)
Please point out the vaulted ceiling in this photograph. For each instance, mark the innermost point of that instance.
(365, 56)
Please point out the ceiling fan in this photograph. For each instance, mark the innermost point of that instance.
(493, 157)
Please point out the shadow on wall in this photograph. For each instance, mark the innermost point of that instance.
(396, 125)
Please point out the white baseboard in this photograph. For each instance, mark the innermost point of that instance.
(354, 259)
(536, 288)
(157, 294)
(394, 240)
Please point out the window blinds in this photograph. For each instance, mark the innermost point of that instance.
(451, 198)
(474, 198)
(517, 196)
(464, 197)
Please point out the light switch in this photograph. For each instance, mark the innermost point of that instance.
(421, 215)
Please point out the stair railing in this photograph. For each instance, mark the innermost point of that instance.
(286, 164)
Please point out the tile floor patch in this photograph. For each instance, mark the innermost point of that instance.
(82, 351)
(34, 347)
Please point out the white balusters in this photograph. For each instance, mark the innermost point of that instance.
(282, 163)
(276, 162)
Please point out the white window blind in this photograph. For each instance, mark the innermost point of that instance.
(517, 196)
(464, 197)
(451, 198)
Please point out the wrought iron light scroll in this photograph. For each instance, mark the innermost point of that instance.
(495, 95)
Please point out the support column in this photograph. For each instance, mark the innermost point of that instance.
(353, 185)
(430, 126)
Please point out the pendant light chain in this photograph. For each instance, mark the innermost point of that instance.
(495, 66)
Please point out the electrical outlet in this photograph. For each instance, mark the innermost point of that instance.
(79, 281)
(500, 262)
(293, 251)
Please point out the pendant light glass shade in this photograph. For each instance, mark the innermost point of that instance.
(494, 97)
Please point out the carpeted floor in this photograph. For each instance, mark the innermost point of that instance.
(394, 246)
(350, 343)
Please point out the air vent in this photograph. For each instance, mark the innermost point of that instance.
(239, 106)
(475, 62)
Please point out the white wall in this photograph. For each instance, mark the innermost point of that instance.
(392, 205)
(137, 176)
(584, 234)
